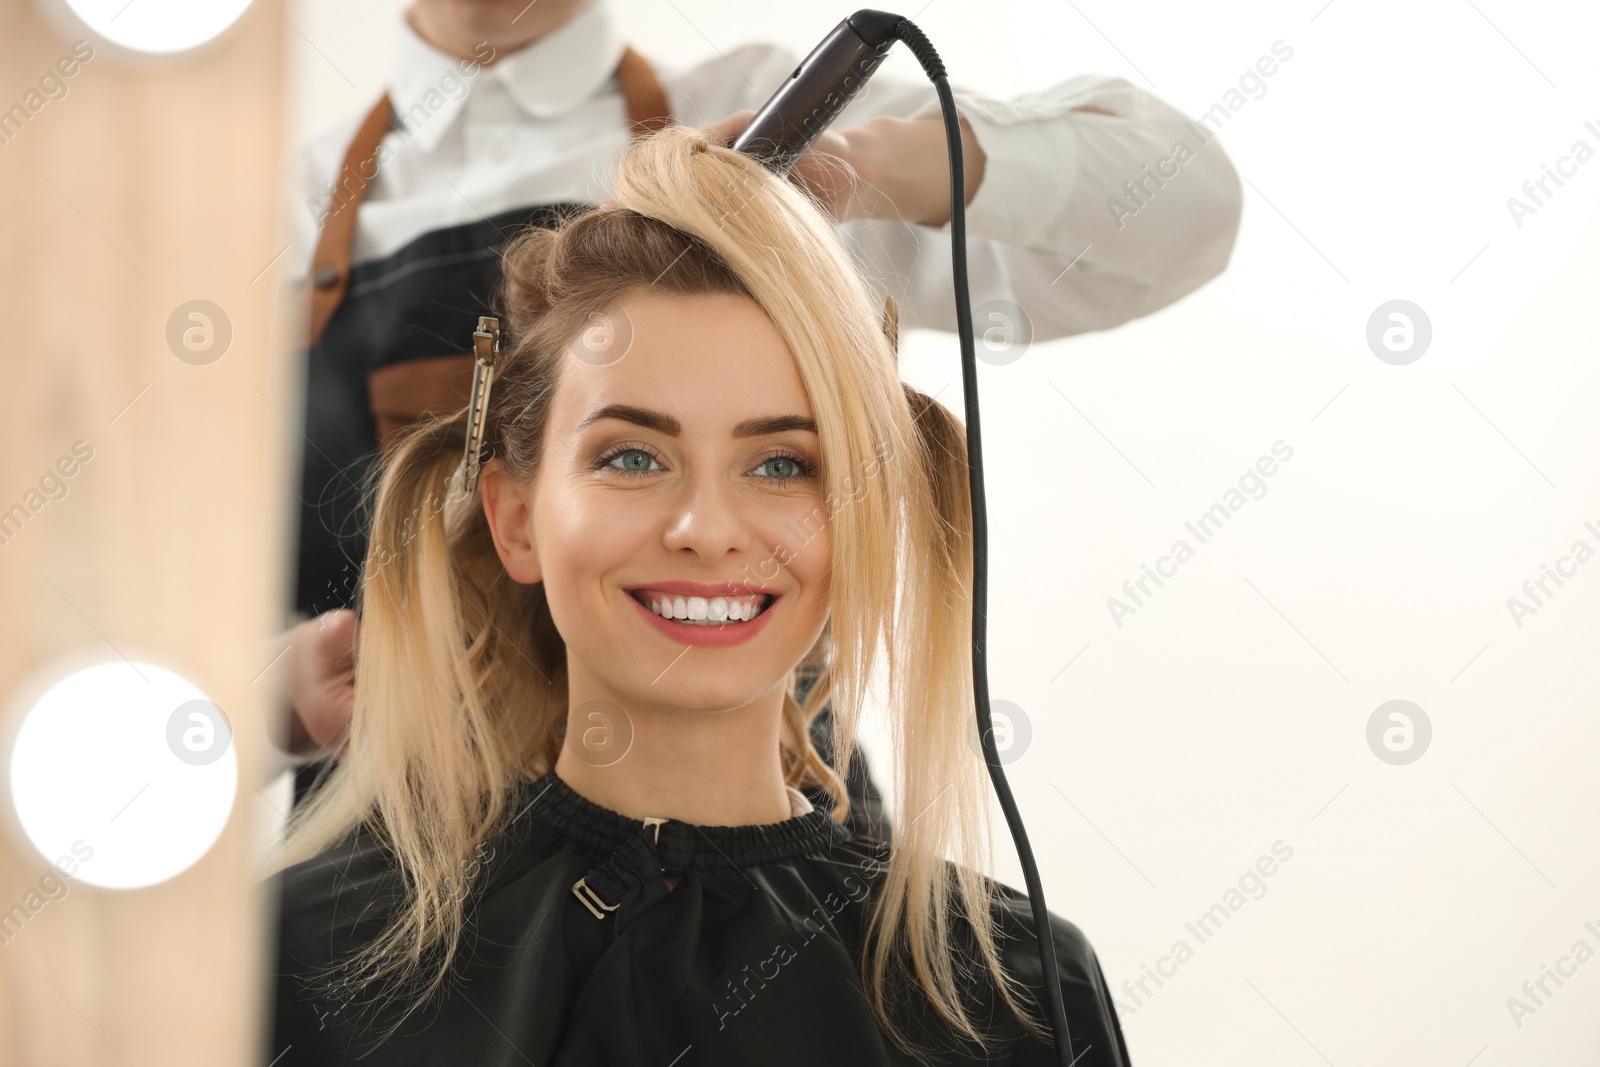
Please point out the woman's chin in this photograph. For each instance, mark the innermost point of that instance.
(698, 696)
(719, 702)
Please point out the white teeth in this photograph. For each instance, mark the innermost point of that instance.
(701, 611)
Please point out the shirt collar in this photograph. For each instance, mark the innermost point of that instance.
(546, 78)
(799, 803)
(562, 69)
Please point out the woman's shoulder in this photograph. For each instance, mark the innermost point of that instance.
(356, 881)
(1092, 1022)
(323, 902)
(1013, 915)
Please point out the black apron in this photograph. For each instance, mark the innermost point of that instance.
(387, 345)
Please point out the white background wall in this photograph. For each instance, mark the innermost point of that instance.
(1230, 712)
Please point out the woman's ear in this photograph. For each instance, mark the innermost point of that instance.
(508, 507)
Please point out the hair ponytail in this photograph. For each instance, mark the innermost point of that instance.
(942, 441)
(431, 746)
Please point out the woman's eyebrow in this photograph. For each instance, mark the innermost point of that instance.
(666, 424)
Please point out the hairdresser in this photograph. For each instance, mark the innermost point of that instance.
(501, 114)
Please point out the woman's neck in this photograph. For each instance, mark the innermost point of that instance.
(702, 768)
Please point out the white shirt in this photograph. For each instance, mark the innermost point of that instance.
(799, 803)
(545, 124)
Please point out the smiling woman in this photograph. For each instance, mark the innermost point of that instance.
(644, 509)
(570, 800)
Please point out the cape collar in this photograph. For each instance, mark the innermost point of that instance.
(680, 846)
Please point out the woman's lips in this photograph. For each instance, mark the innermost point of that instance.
(709, 608)
(706, 634)
(678, 587)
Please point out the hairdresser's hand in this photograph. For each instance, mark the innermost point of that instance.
(884, 168)
(322, 680)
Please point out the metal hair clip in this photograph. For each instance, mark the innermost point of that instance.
(486, 346)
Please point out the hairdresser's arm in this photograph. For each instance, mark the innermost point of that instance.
(1041, 228)
(1057, 161)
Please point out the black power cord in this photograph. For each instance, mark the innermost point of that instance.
(779, 134)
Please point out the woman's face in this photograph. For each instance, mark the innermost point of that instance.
(680, 472)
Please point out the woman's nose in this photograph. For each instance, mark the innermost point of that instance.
(709, 513)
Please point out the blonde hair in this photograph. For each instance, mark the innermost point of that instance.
(461, 678)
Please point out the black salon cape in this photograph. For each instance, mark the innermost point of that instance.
(749, 960)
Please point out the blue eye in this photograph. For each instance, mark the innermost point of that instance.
(636, 460)
(797, 467)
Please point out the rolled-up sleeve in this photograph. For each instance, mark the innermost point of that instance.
(1073, 221)
(1044, 229)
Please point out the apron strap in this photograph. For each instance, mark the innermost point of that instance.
(330, 264)
(647, 102)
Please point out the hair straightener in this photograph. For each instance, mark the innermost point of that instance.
(820, 87)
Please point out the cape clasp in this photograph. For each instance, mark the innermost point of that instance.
(625, 868)
(591, 900)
